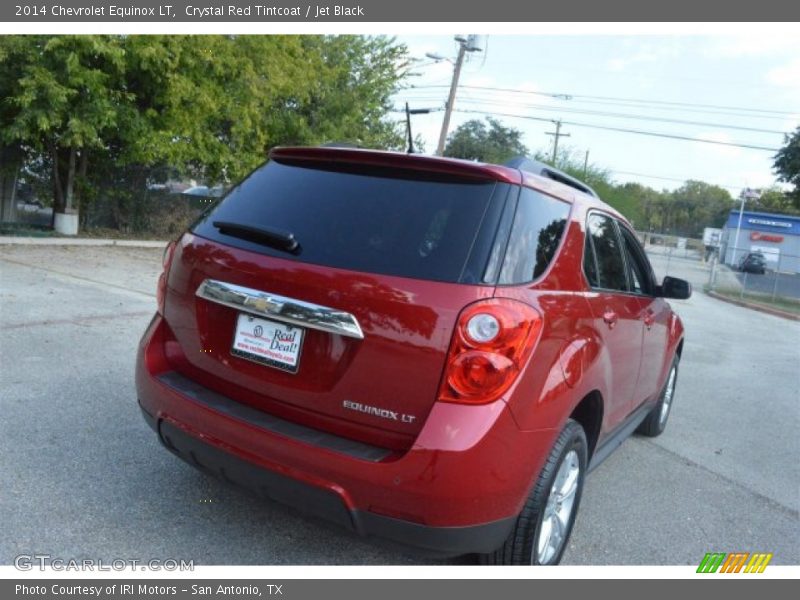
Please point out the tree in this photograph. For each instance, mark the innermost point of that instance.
(66, 100)
(775, 200)
(696, 205)
(206, 107)
(493, 144)
(787, 164)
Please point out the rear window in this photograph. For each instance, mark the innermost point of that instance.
(410, 225)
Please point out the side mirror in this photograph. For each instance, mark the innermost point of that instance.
(672, 287)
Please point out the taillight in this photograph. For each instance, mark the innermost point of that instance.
(492, 341)
(161, 288)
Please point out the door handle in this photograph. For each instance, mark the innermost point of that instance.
(611, 318)
(649, 318)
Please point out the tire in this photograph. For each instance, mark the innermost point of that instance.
(564, 471)
(656, 420)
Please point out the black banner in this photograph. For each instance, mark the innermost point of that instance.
(182, 589)
(244, 11)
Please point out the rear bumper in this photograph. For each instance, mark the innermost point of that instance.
(321, 503)
(457, 490)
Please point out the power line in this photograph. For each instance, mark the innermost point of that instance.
(579, 111)
(566, 96)
(664, 178)
(622, 130)
(431, 95)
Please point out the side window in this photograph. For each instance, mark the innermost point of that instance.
(638, 266)
(602, 234)
(538, 226)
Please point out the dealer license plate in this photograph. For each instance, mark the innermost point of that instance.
(267, 342)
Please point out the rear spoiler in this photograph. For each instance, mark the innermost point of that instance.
(397, 161)
(544, 170)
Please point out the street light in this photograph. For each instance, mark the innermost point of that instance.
(745, 195)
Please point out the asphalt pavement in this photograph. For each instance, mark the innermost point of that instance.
(82, 476)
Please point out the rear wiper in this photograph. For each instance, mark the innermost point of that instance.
(267, 236)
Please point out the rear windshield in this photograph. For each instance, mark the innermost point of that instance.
(411, 226)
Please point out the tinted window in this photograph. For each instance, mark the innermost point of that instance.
(638, 267)
(412, 226)
(535, 235)
(607, 249)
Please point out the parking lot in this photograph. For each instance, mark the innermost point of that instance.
(84, 477)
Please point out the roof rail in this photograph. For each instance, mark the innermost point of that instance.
(539, 168)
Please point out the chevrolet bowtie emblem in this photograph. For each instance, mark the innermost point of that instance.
(260, 304)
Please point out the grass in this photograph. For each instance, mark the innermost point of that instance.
(783, 303)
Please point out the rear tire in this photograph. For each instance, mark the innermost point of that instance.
(656, 421)
(542, 530)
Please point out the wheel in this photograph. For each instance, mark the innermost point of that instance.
(543, 527)
(656, 421)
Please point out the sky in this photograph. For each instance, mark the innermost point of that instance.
(747, 80)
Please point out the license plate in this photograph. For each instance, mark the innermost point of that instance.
(268, 342)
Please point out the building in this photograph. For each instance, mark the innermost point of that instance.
(777, 237)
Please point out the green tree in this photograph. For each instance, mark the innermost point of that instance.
(65, 101)
(208, 107)
(495, 143)
(787, 164)
(775, 200)
(696, 205)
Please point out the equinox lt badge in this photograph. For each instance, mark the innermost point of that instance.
(383, 413)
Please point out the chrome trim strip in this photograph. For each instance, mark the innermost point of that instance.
(280, 308)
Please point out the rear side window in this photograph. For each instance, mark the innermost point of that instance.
(538, 226)
(410, 224)
(608, 270)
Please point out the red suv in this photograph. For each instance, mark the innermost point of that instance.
(427, 350)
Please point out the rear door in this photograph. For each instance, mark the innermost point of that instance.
(616, 313)
(399, 253)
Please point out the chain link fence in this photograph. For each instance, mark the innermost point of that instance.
(769, 279)
(762, 278)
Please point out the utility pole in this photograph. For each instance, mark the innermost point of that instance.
(557, 134)
(462, 50)
(586, 164)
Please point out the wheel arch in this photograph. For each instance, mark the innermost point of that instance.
(589, 414)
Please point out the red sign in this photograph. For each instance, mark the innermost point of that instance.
(757, 236)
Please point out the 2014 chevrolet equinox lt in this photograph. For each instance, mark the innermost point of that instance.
(421, 349)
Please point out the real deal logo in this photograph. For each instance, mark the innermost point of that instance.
(284, 341)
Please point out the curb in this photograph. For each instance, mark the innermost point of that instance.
(51, 241)
(758, 307)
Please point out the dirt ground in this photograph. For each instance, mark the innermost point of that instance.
(133, 269)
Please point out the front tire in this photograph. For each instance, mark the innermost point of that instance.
(542, 530)
(656, 421)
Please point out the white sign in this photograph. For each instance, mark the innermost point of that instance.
(783, 224)
(771, 253)
(270, 343)
(712, 237)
